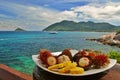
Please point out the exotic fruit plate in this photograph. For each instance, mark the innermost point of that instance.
(73, 62)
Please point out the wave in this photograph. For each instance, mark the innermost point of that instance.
(2, 39)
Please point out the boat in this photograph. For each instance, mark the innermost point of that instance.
(53, 32)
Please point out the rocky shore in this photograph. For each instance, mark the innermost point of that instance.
(112, 39)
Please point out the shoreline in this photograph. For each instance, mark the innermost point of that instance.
(111, 39)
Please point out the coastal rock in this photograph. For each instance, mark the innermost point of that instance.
(117, 37)
(112, 39)
(108, 36)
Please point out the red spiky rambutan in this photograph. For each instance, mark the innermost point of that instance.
(100, 60)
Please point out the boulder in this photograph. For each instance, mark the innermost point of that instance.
(112, 39)
(108, 36)
(117, 37)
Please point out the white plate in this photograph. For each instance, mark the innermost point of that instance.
(88, 72)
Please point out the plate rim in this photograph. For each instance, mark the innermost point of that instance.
(38, 63)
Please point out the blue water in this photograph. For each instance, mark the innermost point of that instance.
(16, 48)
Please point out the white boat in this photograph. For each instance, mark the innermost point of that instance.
(53, 32)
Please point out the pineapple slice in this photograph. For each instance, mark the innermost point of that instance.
(58, 66)
(68, 67)
(77, 70)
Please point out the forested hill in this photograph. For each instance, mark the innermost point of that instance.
(81, 26)
(19, 29)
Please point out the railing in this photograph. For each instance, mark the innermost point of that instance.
(7, 73)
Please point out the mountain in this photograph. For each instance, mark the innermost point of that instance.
(19, 29)
(81, 26)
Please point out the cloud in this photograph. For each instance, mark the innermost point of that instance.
(108, 12)
(33, 17)
(27, 17)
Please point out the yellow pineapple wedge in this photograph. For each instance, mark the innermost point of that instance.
(77, 70)
(68, 67)
(58, 66)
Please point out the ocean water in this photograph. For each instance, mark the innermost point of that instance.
(16, 48)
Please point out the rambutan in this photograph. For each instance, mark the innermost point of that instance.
(100, 60)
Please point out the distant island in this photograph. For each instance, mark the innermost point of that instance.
(66, 25)
(19, 29)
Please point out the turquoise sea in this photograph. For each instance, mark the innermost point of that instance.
(16, 48)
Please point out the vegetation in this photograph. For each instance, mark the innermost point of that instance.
(81, 26)
(118, 32)
(115, 55)
(19, 29)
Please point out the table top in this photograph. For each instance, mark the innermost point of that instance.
(112, 74)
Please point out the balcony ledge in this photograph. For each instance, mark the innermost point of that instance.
(7, 73)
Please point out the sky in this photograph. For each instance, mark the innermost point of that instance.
(35, 15)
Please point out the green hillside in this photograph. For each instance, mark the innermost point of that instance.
(19, 29)
(81, 26)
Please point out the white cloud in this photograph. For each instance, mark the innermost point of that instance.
(38, 17)
(104, 12)
(6, 24)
